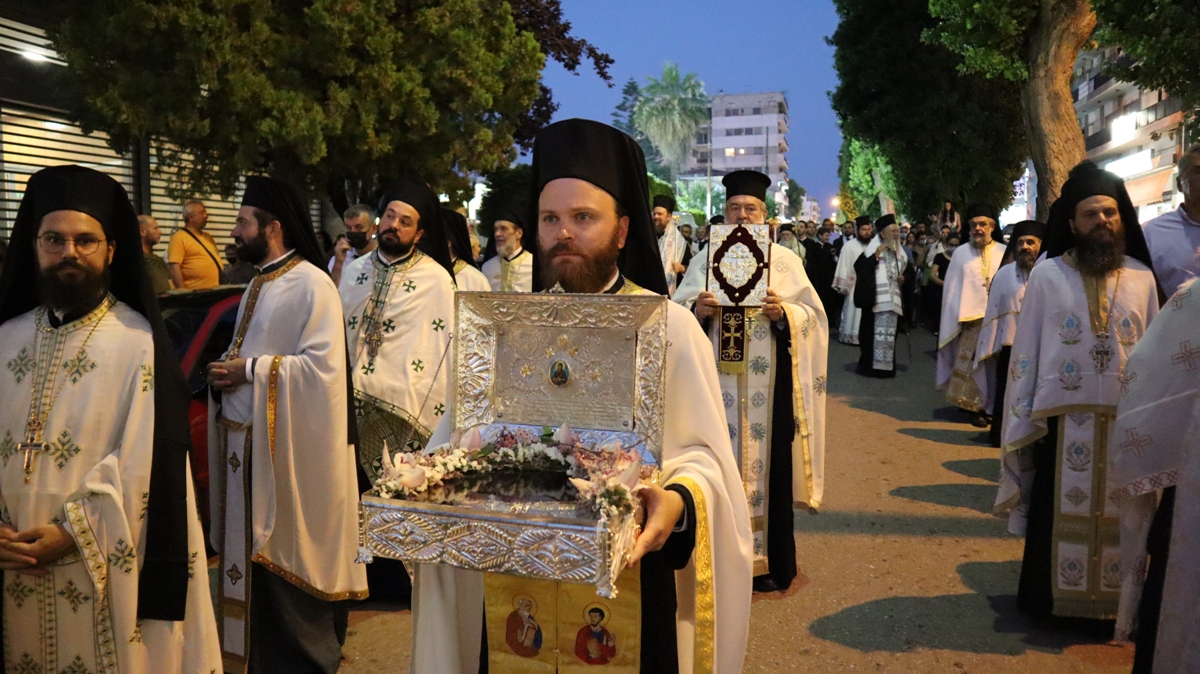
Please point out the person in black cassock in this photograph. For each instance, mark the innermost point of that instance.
(98, 500)
(879, 278)
(593, 234)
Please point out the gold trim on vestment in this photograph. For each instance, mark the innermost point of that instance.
(1093, 530)
(705, 601)
(304, 584)
(272, 401)
(800, 418)
(252, 301)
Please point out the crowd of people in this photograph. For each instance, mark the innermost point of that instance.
(1071, 337)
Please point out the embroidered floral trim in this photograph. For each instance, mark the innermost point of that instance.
(1070, 376)
(1071, 330)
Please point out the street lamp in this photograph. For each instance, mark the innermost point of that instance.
(835, 202)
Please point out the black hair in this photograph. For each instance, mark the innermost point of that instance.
(265, 218)
(596, 609)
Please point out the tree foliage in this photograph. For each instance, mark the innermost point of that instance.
(847, 209)
(795, 194)
(945, 135)
(694, 197)
(1160, 36)
(544, 20)
(669, 112)
(622, 118)
(989, 34)
(320, 93)
(659, 187)
(507, 188)
(1033, 43)
(866, 174)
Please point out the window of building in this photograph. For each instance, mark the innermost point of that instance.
(728, 152)
(757, 150)
(738, 132)
(741, 150)
(757, 111)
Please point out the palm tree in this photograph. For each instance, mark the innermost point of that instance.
(669, 112)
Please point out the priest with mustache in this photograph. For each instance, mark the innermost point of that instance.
(1086, 306)
(283, 488)
(100, 544)
(774, 396)
(592, 234)
(1004, 306)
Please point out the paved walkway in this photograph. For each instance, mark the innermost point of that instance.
(904, 571)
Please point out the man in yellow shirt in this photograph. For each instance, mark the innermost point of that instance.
(192, 253)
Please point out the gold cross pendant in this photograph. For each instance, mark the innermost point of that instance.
(30, 447)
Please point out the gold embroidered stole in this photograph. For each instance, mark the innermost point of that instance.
(1086, 554)
(749, 411)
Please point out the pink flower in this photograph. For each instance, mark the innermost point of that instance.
(413, 478)
(470, 440)
(565, 436)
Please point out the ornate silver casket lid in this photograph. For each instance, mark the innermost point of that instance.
(522, 362)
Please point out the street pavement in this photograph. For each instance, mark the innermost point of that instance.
(905, 570)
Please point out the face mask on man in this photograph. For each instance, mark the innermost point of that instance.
(357, 239)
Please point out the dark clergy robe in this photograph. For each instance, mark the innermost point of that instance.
(820, 263)
(658, 654)
(864, 298)
(1003, 359)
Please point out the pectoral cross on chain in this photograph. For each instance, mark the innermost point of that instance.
(31, 446)
(1101, 352)
(373, 339)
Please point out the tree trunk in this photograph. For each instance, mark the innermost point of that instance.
(1056, 141)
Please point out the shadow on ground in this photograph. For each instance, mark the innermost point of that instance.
(985, 620)
(947, 436)
(886, 524)
(983, 469)
(977, 497)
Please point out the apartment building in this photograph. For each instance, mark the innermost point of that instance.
(747, 131)
(1133, 132)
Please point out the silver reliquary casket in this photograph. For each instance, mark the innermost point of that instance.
(525, 366)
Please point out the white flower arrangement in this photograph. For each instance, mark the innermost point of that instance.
(607, 477)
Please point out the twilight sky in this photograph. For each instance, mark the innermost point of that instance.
(741, 46)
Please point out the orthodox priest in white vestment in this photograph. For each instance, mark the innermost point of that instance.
(510, 268)
(284, 491)
(1000, 320)
(844, 279)
(673, 248)
(964, 304)
(467, 277)
(399, 309)
(775, 397)
(1086, 306)
(103, 545)
(1157, 438)
(694, 602)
